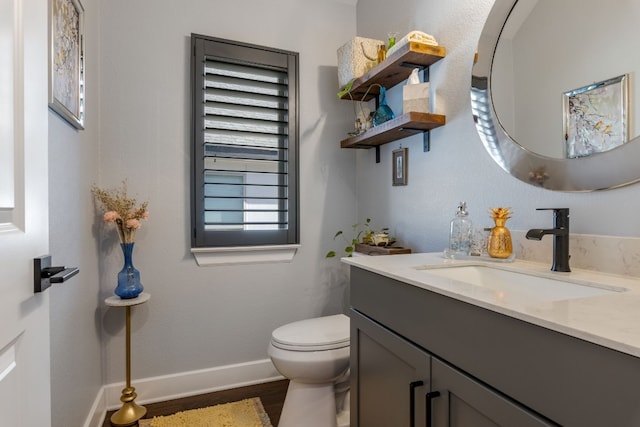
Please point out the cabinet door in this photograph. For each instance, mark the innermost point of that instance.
(389, 377)
(457, 400)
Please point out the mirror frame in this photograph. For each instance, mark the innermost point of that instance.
(615, 168)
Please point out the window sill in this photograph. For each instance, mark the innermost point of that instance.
(206, 257)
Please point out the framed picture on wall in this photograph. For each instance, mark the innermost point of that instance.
(595, 117)
(66, 60)
(399, 167)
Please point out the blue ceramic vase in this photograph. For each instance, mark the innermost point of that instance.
(384, 113)
(129, 285)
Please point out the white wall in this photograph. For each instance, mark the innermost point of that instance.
(202, 317)
(458, 167)
(76, 321)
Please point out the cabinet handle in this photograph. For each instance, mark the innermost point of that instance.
(430, 396)
(412, 401)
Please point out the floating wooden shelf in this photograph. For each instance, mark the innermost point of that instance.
(403, 126)
(394, 69)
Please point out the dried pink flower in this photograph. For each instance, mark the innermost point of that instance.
(122, 211)
(133, 223)
(111, 216)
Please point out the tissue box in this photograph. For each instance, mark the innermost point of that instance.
(353, 61)
(415, 97)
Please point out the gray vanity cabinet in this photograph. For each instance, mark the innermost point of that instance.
(391, 377)
(396, 383)
(488, 368)
(458, 400)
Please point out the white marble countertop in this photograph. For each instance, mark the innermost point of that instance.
(611, 320)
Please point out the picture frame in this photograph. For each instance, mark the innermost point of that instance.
(399, 168)
(66, 60)
(595, 117)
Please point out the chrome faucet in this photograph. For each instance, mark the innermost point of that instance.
(560, 232)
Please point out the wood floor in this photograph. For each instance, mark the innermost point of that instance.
(272, 395)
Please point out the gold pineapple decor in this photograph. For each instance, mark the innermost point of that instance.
(500, 245)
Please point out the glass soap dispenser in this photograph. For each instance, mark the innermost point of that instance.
(460, 233)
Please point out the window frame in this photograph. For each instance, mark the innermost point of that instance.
(245, 54)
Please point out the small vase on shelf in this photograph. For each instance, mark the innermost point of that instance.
(382, 53)
(500, 245)
(392, 39)
(129, 285)
(384, 113)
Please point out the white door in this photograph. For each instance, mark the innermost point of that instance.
(25, 396)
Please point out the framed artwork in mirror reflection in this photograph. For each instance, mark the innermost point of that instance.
(595, 117)
(399, 166)
(66, 60)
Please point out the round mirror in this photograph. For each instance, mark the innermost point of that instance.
(551, 91)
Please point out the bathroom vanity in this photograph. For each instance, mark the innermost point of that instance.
(439, 349)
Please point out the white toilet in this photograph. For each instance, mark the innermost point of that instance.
(314, 355)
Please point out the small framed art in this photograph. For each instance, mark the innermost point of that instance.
(399, 168)
(595, 117)
(66, 60)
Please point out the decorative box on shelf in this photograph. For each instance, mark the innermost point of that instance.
(381, 250)
(356, 58)
(415, 97)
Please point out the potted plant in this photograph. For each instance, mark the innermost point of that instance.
(359, 230)
(363, 233)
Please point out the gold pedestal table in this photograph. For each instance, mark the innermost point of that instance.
(130, 412)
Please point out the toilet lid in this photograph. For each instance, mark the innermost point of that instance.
(321, 333)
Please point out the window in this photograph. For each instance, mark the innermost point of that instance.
(244, 173)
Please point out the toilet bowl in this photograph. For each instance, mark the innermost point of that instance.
(314, 355)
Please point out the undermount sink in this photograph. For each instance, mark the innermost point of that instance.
(509, 284)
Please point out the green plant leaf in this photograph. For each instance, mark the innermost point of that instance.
(347, 88)
(330, 254)
(348, 249)
(339, 233)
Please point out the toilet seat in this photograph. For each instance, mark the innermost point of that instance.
(318, 334)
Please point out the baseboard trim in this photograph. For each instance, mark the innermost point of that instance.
(184, 384)
(98, 411)
(175, 386)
